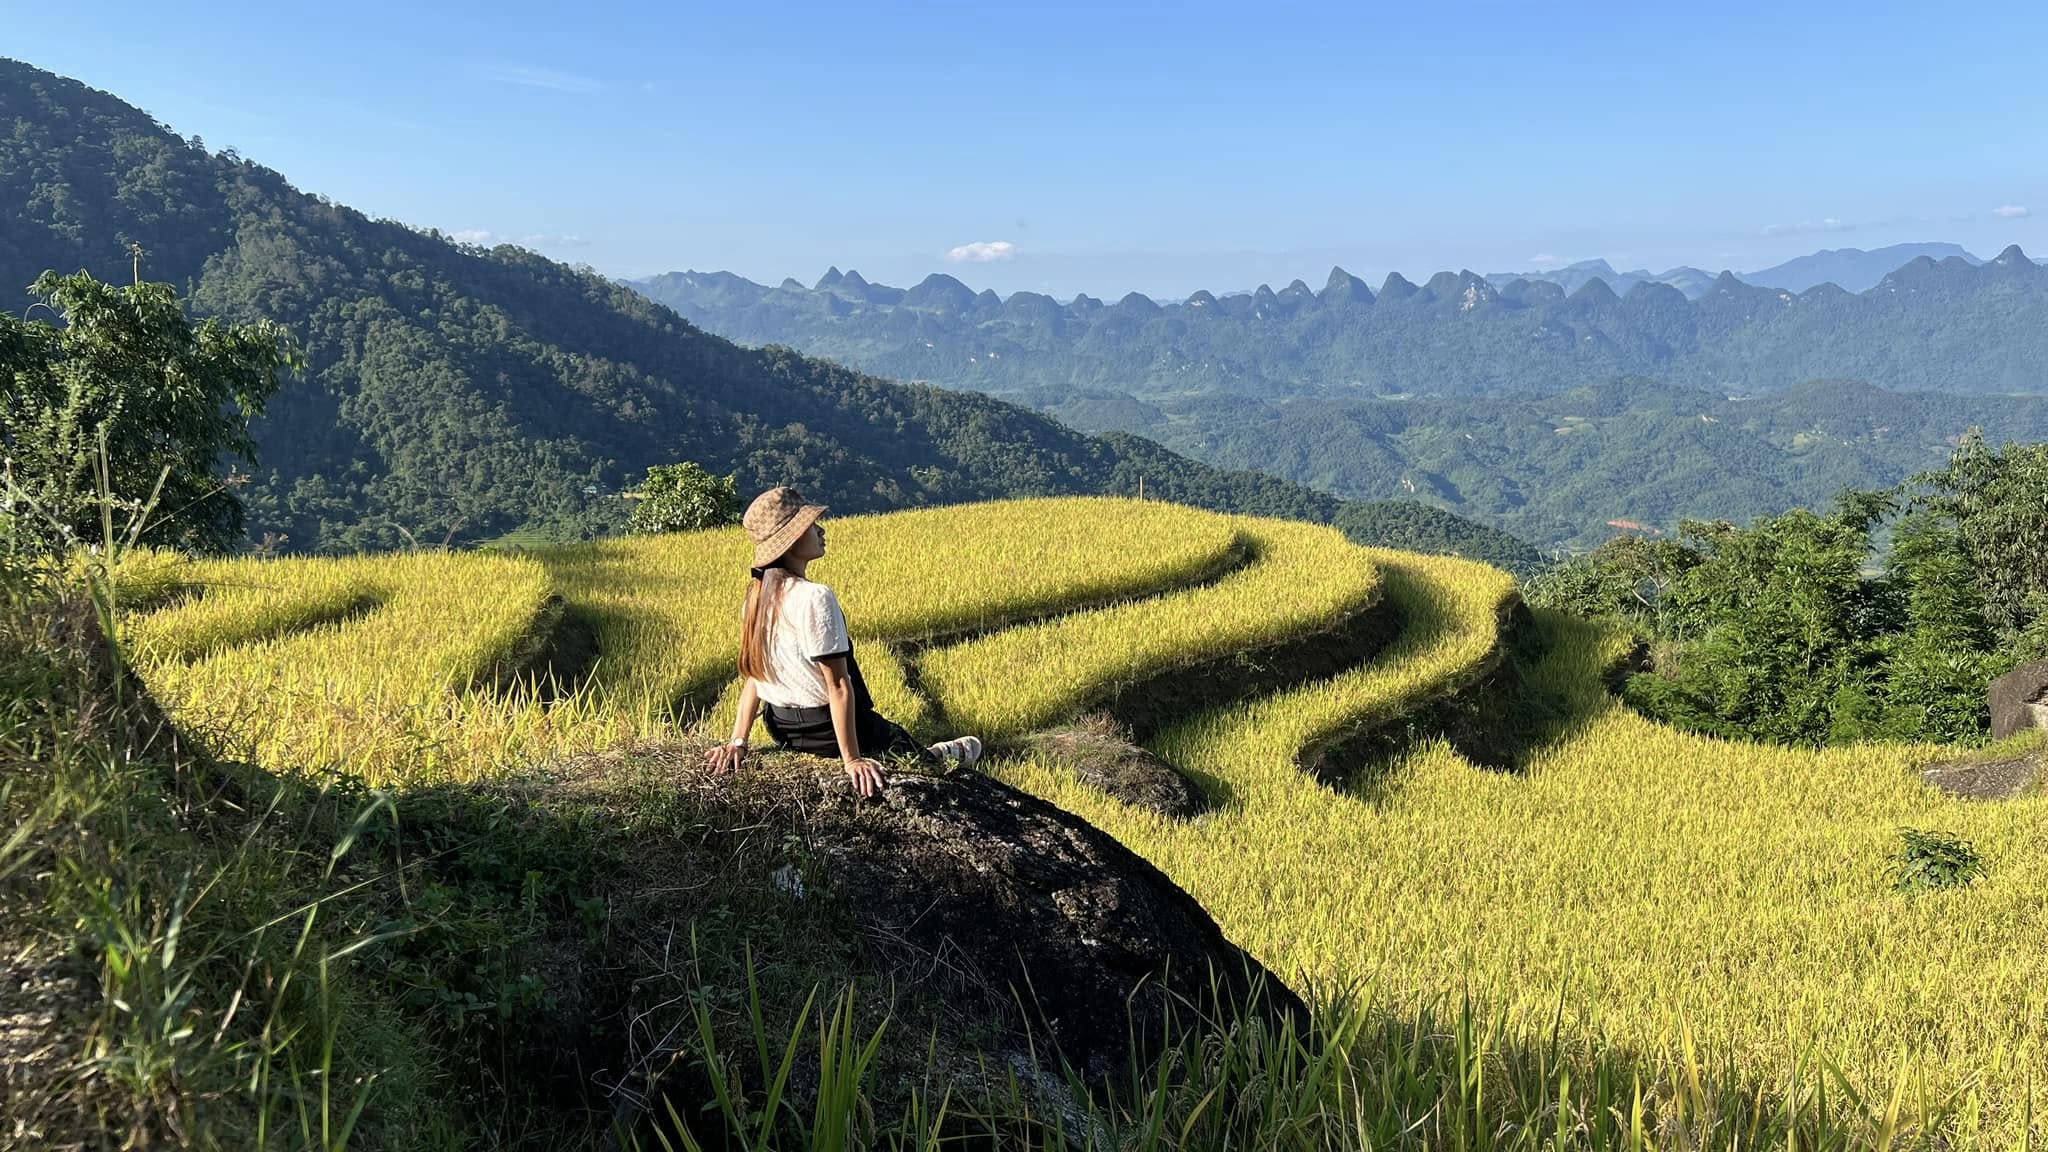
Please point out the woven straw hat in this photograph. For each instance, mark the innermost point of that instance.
(775, 519)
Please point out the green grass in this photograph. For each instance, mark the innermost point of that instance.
(191, 928)
(1367, 1074)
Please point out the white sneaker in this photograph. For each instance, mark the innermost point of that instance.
(962, 751)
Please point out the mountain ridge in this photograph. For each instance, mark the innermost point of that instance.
(1983, 328)
(1851, 269)
(1795, 275)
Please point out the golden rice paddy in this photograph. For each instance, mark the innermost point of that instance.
(1665, 893)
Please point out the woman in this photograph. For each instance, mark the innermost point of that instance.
(796, 658)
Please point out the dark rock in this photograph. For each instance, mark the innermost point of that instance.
(1026, 923)
(2019, 700)
(1986, 778)
(1022, 897)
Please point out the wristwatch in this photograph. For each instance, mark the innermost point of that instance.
(740, 743)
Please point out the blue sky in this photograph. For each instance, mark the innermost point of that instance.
(1105, 147)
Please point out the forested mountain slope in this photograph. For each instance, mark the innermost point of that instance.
(456, 393)
(1556, 468)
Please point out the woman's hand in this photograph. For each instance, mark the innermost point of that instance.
(731, 754)
(724, 758)
(866, 776)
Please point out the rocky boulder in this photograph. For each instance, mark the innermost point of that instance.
(1030, 899)
(1029, 928)
(2019, 700)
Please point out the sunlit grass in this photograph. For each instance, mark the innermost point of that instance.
(667, 608)
(281, 674)
(1304, 578)
(1676, 902)
(1667, 893)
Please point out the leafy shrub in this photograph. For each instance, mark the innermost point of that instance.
(1932, 861)
(685, 498)
(1627, 578)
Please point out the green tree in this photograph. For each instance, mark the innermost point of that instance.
(1937, 668)
(124, 373)
(1628, 577)
(1779, 630)
(684, 498)
(1781, 620)
(1998, 500)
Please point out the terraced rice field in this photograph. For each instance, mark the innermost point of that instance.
(1674, 899)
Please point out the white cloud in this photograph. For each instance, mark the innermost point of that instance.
(486, 238)
(2011, 212)
(1824, 224)
(546, 78)
(982, 252)
(1545, 259)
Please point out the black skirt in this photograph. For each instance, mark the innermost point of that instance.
(810, 729)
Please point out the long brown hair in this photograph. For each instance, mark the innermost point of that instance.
(764, 604)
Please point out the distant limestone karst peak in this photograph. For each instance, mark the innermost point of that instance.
(1344, 288)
